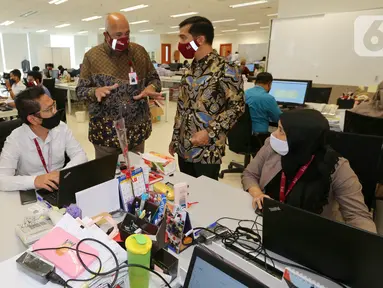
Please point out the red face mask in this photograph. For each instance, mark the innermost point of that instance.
(188, 50)
(32, 83)
(121, 44)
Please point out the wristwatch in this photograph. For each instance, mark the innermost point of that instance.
(210, 132)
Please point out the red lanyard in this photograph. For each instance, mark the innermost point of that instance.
(282, 194)
(42, 157)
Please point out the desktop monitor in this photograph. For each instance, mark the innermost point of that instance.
(290, 92)
(155, 65)
(54, 74)
(250, 67)
(207, 269)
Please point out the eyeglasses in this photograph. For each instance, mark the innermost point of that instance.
(51, 109)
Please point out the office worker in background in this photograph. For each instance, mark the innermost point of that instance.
(244, 70)
(295, 166)
(36, 79)
(63, 71)
(209, 104)
(48, 70)
(17, 85)
(262, 105)
(34, 153)
(36, 69)
(114, 74)
(374, 107)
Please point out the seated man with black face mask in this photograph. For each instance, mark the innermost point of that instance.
(35, 152)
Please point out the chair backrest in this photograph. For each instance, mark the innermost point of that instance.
(6, 128)
(345, 104)
(240, 136)
(50, 84)
(364, 152)
(361, 124)
(319, 95)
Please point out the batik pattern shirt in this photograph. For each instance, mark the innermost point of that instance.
(104, 67)
(211, 98)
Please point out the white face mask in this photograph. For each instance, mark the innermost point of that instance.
(279, 146)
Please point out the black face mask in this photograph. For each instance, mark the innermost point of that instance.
(51, 122)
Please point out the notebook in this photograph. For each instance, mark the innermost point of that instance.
(64, 259)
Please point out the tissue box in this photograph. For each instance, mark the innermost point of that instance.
(163, 164)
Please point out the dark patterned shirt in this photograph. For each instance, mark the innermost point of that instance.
(211, 98)
(103, 67)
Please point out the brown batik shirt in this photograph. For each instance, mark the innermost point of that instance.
(211, 98)
(104, 67)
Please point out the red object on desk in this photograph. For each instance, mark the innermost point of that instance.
(192, 203)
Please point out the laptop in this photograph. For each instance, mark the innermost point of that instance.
(79, 178)
(344, 253)
(208, 269)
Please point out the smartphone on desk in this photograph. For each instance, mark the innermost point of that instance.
(28, 197)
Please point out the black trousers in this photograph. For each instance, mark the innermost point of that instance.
(198, 169)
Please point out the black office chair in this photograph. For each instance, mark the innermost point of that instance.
(50, 84)
(345, 104)
(361, 124)
(6, 128)
(319, 95)
(58, 95)
(241, 141)
(364, 152)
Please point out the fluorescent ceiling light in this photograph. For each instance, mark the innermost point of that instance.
(231, 30)
(82, 32)
(6, 23)
(148, 30)
(272, 15)
(91, 18)
(174, 27)
(184, 14)
(62, 25)
(249, 24)
(134, 8)
(102, 28)
(248, 4)
(247, 32)
(172, 32)
(29, 13)
(265, 27)
(41, 31)
(221, 21)
(57, 2)
(218, 34)
(139, 22)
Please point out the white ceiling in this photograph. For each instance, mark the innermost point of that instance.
(158, 13)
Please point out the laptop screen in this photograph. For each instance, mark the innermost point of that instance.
(206, 275)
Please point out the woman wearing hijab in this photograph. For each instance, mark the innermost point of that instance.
(295, 166)
(374, 107)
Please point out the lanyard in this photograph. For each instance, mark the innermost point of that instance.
(42, 156)
(301, 171)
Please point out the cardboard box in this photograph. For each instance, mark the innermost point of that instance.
(156, 113)
(163, 164)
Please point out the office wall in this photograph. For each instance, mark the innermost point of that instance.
(80, 44)
(40, 50)
(292, 8)
(151, 43)
(15, 50)
(241, 38)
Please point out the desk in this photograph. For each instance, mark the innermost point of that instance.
(171, 79)
(68, 87)
(8, 114)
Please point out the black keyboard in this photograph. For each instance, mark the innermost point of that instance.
(51, 197)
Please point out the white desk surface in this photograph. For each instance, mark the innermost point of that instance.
(175, 79)
(10, 113)
(66, 86)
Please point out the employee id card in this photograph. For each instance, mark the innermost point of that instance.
(133, 79)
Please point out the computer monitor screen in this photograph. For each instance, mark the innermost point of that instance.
(155, 65)
(250, 67)
(290, 91)
(54, 73)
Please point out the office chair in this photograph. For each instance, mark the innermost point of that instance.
(50, 84)
(345, 104)
(364, 152)
(58, 95)
(361, 124)
(319, 95)
(6, 128)
(242, 141)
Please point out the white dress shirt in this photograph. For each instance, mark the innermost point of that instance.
(18, 87)
(20, 162)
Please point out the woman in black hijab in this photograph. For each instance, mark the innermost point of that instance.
(297, 167)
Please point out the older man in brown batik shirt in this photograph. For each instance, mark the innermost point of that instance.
(118, 74)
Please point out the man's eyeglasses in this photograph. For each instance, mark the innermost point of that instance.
(51, 109)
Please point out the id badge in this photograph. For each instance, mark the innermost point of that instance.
(133, 79)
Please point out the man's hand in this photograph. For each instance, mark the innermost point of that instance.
(201, 138)
(258, 201)
(149, 92)
(7, 84)
(171, 149)
(48, 181)
(104, 91)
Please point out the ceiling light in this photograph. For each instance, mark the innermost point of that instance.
(221, 21)
(57, 2)
(62, 25)
(91, 18)
(184, 14)
(29, 13)
(102, 28)
(172, 32)
(248, 4)
(265, 27)
(249, 24)
(272, 15)
(6, 23)
(231, 30)
(139, 22)
(247, 32)
(41, 31)
(174, 27)
(148, 30)
(82, 32)
(134, 8)
(218, 34)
